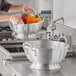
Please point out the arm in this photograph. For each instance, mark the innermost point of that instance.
(13, 19)
(7, 7)
(15, 8)
(22, 8)
(5, 18)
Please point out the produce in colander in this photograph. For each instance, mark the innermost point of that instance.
(28, 19)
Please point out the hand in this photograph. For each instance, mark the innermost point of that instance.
(16, 19)
(28, 9)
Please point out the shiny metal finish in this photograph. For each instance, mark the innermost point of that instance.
(45, 54)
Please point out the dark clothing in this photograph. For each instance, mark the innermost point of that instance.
(4, 5)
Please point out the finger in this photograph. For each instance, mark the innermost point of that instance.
(27, 11)
(26, 8)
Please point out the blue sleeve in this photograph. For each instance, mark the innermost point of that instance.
(5, 5)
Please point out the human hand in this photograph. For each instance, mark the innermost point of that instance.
(28, 9)
(16, 19)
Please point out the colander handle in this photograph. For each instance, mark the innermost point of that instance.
(35, 50)
(62, 39)
(11, 26)
(65, 39)
(27, 45)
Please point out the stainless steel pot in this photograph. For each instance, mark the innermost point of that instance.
(45, 54)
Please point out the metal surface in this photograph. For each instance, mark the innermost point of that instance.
(21, 68)
(45, 54)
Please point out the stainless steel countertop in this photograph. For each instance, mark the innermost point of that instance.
(23, 68)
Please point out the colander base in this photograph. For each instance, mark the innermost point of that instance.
(45, 67)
